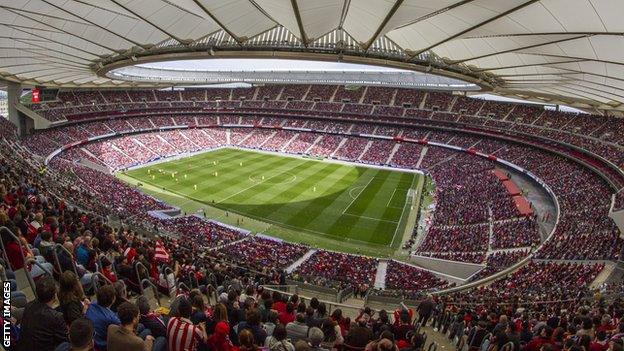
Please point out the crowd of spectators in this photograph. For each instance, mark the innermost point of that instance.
(261, 254)
(472, 238)
(323, 267)
(405, 277)
(379, 152)
(590, 132)
(498, 261)
(467, 196)
(520, 232)
(34, 207)
(535, 281)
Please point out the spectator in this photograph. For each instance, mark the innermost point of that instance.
(302, 346)
(331, 330)
(278, 341)
(101, 315)
(123, 337)
(316, 338)
(43, 328)
(199, 310)
(403, 325)
(601, 342)
(253, 324)
(149, 319)
(182, 335)
(543, 338)
(121, 295)
(247, 341)
(271, 323)
(72, 301)
(107, 271)
(359, 335)
(425, 309)
(288, 315)
(297, 330)
(476, 337)
(80, 336)
(220, 339)
(417, 343)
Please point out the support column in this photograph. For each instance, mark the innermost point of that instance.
(14, 91)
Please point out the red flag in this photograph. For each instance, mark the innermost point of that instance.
(161, 254)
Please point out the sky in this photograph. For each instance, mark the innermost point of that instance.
(266, 64)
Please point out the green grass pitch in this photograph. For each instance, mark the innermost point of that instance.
(337, 201)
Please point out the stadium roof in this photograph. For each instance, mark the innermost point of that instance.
(556, 51)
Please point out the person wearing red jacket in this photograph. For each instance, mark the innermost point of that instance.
(543, 338)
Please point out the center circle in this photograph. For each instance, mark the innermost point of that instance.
(273, 178)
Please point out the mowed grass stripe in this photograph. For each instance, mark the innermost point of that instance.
(392, 213)
(370, 205)
(264, 189)
(202, 177)
(308, 214)
(332, 220)
(306, 203)
(234, 177)
(233, 180)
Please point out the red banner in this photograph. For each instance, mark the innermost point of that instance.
(35, 95)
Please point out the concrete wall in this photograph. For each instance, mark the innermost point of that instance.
(460, 270)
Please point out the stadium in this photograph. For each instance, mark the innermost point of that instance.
(282, 175)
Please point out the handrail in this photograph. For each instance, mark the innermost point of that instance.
(29, 277)
(154, 287)
(136, 270)
(101, 266)
(94, 281)
(4, 255)
(212, 279)
(58, 263)
(210, 287)
(181, 284)
(328, 303)
(31, 282)
(192, 279)
(165, 270)
(4, 249)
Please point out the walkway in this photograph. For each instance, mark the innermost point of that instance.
(380, 277)
(298, 262)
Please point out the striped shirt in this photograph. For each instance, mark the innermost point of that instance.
(182, 335)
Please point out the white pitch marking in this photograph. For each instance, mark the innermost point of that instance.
(372, 218)
(391, 196)
(358, 195)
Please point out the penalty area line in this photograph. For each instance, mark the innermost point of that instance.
(358, 195)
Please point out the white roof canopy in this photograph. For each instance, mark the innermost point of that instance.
(560, 51)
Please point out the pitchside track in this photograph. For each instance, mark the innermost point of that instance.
(337, 201)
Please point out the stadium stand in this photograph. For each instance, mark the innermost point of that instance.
(469, 200)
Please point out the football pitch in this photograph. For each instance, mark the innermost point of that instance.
(337, 201)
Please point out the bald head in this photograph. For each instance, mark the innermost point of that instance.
(385, 345)
(69, 246)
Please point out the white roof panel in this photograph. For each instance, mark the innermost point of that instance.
(574, 47)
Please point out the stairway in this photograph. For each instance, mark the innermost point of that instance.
(422, 156)
(298, 262)
(380, 277)
(368, 145)
(394, 150)
(342, 142)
